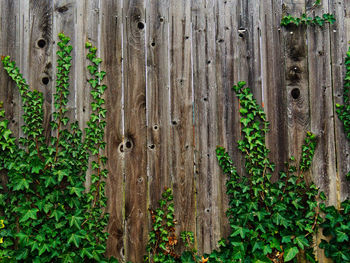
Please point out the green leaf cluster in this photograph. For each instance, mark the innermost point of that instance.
(337, 227)
(48, 213)
(307, 20)
(270, 221)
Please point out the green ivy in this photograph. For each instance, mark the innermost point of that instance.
(337, 227)
(270, 221)
(307, 20)
(48, 213)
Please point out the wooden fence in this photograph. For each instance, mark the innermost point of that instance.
(170, 68)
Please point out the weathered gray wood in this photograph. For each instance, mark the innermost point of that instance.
(64, 21)
(158, 99)
(272, 81)
(205, 122)
(112, 54)
(296, 80)
(340, 36)
(136, 184)
(321, 108)
(170, 68)
(9, 45)
(227, 103)
(39, 61)
(181, 98)
(321, 113)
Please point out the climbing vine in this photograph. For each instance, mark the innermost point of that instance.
(307, 20)
(48, 213)
(269, 221)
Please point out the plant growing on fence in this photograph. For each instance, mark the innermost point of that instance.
(307, 20)
(269, 221)
(162, 237)
(48, 213)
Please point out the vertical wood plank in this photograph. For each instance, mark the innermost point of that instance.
(9, 94)
(181, 114)
(321, 105)
(227, 74)
(321, 113)
(158, 93)
(272, 75)
(296, 80)
(64, 21)
(205, 117)
(135, 130)
(112, 55)
(39, 61)
(9, 45)
(340, 36)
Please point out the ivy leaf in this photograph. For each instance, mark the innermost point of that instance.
(290, 253)
(75, 220)
(31, 213)
(22, 184)
(74, 238)
(341, 236)
(301, 241)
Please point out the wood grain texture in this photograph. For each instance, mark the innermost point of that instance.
(340, 35)
(323, 170)
(9, 45)
(272, 81)
(112, 54)
(136, 184)
(158, 100)
(181, 98)
(226, 76)
(205, 122)
(170, 69)
(40, 54)
(296, 81)
(321, 108)
(64, 21)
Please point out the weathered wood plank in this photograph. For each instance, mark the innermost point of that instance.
(321, 112)
(158, 102)
(340, 35)
(39, 54)
(112, 55)
(227, 74)
(64, 21)
(273, 97)
(205, 117)
(296, 80)
(181, 114)
(135, 130)
(9, 45)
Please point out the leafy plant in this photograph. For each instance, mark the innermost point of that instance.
(162, 238)
(307, 20)
(269, 221)
(50, 216)
(337, 227)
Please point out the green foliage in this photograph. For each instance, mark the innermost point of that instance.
(162, 238)
(49, 215)
(337, 227)
(269, 221)
(307, 20)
